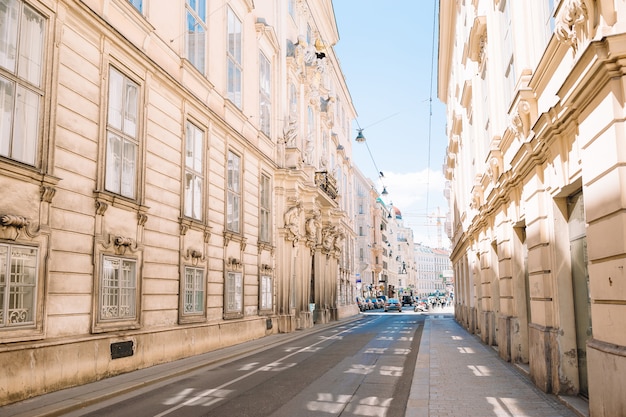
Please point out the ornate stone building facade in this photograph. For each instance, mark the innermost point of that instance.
(175, 178)
(535, 110)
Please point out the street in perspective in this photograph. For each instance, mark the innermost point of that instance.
(385, 364)
(288, 208)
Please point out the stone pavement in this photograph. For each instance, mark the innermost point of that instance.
(456, 375)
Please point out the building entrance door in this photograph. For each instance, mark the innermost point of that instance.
(580, 283)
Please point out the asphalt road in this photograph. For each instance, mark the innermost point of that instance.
(362, 368)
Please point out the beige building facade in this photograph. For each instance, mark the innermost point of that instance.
(175, 178)
(535, 121)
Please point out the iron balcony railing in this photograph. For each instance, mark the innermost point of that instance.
(327, 183)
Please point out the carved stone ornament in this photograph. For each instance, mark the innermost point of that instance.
(312, 226)
(292, 222)
(195, 256)
(520, 120)
(12, 226)
(328, 238)
(121, 244)
(47, 193)
(234, 264)
(571, 23)
(266, 269)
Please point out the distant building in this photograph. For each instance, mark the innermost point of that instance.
(433, 270)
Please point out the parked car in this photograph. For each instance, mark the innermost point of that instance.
(381, 301)
(407, 300)
(361, 303)
(393, 304)
(373, 303)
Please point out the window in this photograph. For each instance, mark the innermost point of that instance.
(234, 58)
(194, 146)
(291, 7)
(18, 285)
(265, 208)
(265, 102)
(196, 33)
(122, 135)
(194, 291)
(118, 289)
(234, 292)
(233, 186)
(21, 70)
(266, 292)
(138, 4)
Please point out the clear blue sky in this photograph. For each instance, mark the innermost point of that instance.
(388, 55)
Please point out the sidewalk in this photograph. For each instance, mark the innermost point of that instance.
(456, 375)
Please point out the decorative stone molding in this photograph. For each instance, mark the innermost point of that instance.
(571, 23)
(195, 256)
(477, 193)
(142, 218)
(47, 193)
(520, 120)
(12, 226)
(265, 246)
(264, 30)
(101, 207)
(266, 269)
(121, 244)
(234, 264)
(478, 41)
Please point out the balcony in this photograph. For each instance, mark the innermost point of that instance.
(327, 183)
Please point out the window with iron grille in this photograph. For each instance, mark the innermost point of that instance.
(118, 289)
(234, 292)
(18, 285)
(194, 291)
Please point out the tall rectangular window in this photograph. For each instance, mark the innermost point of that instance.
(21, 70)
(508, 52)
(265, 99)
(194, 291)
(265, 209)
(234, 292)
(266, 292)
(18, 285)
(138, 4)
(233, 204)
(194, 179)
(122, 135)
(234, 58)
(118, 289)
(291, 8)
(196, 33)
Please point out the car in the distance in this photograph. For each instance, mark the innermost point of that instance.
(407, 300)
(393, 304)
